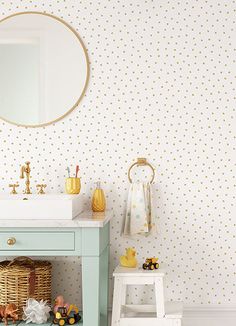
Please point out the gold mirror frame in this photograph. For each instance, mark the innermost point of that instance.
(87, 64)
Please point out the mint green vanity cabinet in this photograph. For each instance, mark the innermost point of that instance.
(44, 241)
(88, 239)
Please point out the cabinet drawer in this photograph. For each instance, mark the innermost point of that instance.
(36, 241)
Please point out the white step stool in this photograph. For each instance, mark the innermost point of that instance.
(160, 314)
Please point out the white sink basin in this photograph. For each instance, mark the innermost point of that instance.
(42, 207)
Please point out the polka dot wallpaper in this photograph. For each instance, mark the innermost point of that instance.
(162, 86)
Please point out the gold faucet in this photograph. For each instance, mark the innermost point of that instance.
(41, 191)
(13, 186)
(25, 171)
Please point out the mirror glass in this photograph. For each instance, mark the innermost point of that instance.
(43, 69)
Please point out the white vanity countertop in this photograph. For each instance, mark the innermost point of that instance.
(85, 219)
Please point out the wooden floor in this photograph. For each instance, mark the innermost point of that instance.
(23, 323)
(187, 321)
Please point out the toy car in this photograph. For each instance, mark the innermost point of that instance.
(151, 264)
(64, 316)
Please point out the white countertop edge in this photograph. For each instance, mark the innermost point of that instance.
(83, 220)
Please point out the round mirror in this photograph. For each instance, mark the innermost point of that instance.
(44, 69)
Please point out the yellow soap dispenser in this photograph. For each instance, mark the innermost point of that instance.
(98, 200)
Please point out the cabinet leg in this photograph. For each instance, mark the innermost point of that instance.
(104, 286)
(90, 290)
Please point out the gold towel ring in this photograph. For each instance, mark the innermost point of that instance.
(141, 162)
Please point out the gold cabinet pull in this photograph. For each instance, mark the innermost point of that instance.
(11, 241)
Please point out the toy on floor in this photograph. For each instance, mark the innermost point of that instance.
(37, 312)
(8, 312)
(60, 302)
(129, 260)
(66, 316)
(151, 263)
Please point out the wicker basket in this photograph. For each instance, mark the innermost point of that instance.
(22, 279)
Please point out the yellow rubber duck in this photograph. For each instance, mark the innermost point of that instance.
(129, 260)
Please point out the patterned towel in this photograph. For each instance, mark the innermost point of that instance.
(139, 215)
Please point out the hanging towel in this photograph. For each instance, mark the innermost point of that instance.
(139, 217)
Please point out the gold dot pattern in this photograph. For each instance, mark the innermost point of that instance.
(162, 86)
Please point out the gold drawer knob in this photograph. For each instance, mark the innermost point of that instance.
(11, 241)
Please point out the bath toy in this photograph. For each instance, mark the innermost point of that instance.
(129, 260)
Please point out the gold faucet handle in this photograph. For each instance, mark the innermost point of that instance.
(41, 186)
(13, 186)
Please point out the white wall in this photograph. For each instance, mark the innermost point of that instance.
(162, 86)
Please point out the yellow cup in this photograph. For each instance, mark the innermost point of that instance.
(73, 186)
